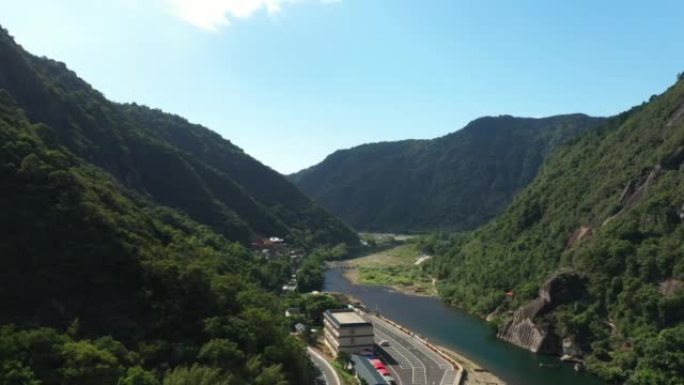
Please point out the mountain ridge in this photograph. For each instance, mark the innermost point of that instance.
(414, 184)
(221, 185)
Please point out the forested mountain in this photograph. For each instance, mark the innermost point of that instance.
(599, 233)
(176, 163)
(118, 264)
(99, 285)
(455, 182)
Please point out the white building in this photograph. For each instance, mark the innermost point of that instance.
(346, 331)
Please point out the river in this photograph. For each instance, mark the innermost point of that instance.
(463, 333)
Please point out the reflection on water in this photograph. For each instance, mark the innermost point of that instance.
(463, 333)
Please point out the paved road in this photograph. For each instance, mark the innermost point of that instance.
(411, 362)
(329, 373)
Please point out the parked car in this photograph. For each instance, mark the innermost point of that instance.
(384, 343)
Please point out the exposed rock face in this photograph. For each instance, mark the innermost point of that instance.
(523, 331)
(578, 235)
(630, 200)
(677, 116)
(670, 287)
(490, 317)
(570, 348)
(637, 188)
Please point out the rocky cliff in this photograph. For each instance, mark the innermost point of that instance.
(527, 330)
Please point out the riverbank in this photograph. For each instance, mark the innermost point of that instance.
(468, 371)
(395, 269)
(471, 372)
(468, 339)
(398, 268)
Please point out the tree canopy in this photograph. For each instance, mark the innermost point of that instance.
(607, 207)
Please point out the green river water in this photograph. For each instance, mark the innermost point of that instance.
(463, 333)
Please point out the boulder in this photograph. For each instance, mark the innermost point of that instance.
(570, 348)
(523, 331)
(670, 286)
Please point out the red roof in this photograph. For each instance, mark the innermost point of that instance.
(377, 364)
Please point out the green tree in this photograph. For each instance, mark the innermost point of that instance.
(221, 353)
(196, 375)
(85, 364)
(271, 375)
(16, 373)
(138, 376)
(315, 305)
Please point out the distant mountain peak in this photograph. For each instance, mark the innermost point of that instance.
(457, 181)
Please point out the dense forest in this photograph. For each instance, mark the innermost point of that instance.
(456, 182)
(603, 222)
(102, 286)
(164, 157)
(121, 256)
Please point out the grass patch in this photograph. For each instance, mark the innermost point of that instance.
(346, 377)
(396, 268)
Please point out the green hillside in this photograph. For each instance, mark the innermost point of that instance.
(121, 260)
(605, 215)
(162, 156)
(102, 286)
(455, 182)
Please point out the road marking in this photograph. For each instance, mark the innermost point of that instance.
(416, 365)
(449, 378)
(326, 363)
(405, 362)
(385, 329)
(396, 375)
(418, 368)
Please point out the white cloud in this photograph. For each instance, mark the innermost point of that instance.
(213, 14)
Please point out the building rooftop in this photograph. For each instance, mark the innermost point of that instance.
(346, 317)
(366, 371)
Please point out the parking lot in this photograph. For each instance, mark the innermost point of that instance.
(408, 359)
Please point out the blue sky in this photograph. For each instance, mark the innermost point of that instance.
(290, 81)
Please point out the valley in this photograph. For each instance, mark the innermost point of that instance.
(357, 193)
(585, 262)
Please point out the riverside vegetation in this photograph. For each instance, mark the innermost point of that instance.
(597, 233)
(122, 254)
(605, 215)
(123, 258)
(399, 267)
